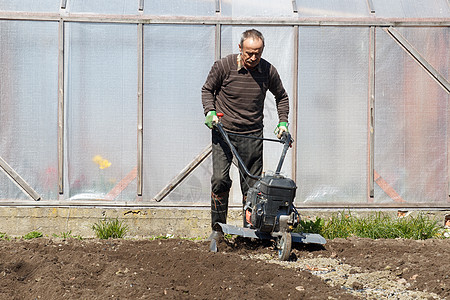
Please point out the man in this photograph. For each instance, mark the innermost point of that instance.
(236, 86)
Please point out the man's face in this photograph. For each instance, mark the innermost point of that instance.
(251, 51)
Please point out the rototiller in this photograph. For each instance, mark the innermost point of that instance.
(269, 211)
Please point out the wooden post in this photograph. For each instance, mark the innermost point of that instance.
(19, 180)
(61, 108)
(140, 100)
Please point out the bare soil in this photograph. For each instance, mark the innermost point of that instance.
(46, 268)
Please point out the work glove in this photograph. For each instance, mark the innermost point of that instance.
(282, 127)
(211, 119)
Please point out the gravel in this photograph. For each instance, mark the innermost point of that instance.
(366, 285)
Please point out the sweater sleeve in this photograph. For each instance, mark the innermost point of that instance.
(281, 97)
(211, 86)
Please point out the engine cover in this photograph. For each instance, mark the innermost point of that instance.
(270, 197)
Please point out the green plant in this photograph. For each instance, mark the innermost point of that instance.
(374, 226)
(228, 236)
(110, 228)
(339, 226)
(67, 235)
(32, 235)
(3, 236)
(418, 228)
(380, 225)
(198, 238)
(311, 226)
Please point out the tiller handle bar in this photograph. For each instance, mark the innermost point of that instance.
(286, 139)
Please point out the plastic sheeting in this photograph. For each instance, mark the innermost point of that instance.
(30, 5)
(411, 9)
(257, 8)
(332, 8)
(177, 59)
(332, 115)
(28, 106)
(433, 44)
(411, 121)
(180, 8)
(102, 6)
(242, 9)
(101, 73)
(101, 109)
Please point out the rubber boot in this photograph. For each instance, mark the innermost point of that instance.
(215, 237)
(219, 211)
(219, 208)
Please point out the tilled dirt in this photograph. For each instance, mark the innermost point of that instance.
(242, 269)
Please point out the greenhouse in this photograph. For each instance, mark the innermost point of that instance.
(100, 101)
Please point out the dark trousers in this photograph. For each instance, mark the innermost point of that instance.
(251, 152)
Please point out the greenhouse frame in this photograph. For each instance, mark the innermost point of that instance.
(100, 101)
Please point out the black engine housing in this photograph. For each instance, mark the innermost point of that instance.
(270, 197)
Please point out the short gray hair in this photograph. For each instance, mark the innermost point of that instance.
(251, 33)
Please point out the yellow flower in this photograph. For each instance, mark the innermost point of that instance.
(97, 159)
(103, 163)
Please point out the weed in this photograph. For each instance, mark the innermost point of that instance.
(67, 235)
(311, 226)
(198, 238)
(32, 235)
(418, 228)
(339, 226)
(228, 236)
(375, 226)
(112, 228)
(3, 236)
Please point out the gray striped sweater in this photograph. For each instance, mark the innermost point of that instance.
(239, 94)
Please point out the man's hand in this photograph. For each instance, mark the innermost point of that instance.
(282, 127)
(211, 119)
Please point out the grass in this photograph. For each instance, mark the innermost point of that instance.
(67, 235)
(312, 226)
(32, 235)
(110, 228)
(375, 226)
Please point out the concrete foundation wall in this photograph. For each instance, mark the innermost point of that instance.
(142, 222)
